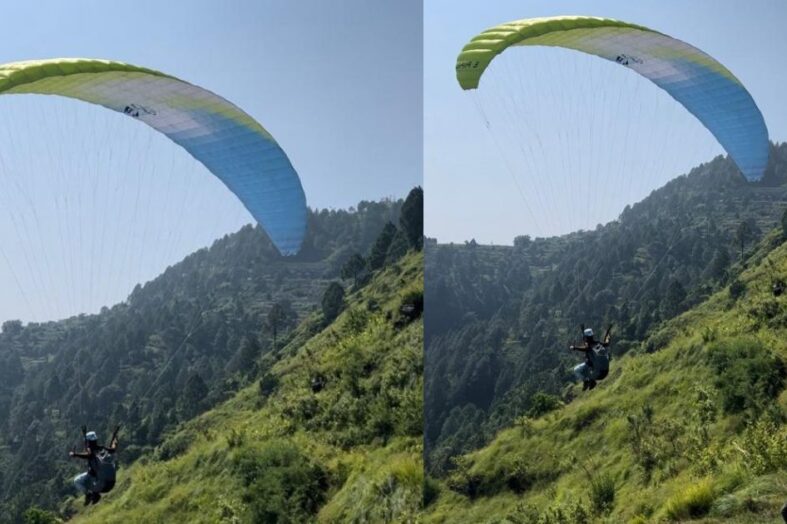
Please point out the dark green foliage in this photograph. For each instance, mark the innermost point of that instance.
(574, 511)
(431, 490)
(244, 361)
(520, 479)
(673, 299)
(12, 328)
(172, 447)
(282, 485)
(602, 492)
(268, 384)
(281, 317)
(192, 397)
(398, 248)
(353, 268)
(411, 307)
(693, 503)
(585, 417)
(511, 474)
(766, 443)
(747, 232)
(784, 224)
(542, 404)
(332, 302)
(236, 438)
(500, 317)
(412, 218)
(379, 252)
(737, 289)
(653, 441)
(39, 516)
(462, 481)
(749, 375)
(719, 265)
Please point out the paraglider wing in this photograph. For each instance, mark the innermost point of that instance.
(230, 143)
(700, 83)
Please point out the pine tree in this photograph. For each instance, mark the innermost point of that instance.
(412, 218)
(380, 248)
(332, 302)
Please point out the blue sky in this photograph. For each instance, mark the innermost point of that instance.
(337, 83)
(471, 179)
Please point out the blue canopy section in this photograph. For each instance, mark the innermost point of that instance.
(258, 171)
(727, 110)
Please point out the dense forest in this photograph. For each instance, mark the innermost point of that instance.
(689, 426)
(180, 344)
(501, 318)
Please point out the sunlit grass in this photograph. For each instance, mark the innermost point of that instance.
(691, 459)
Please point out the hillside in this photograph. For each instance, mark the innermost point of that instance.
(501, 314)
(332, 430)
(688, 426)
(179, 345)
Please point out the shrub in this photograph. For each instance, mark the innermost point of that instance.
(461, 480)
(431, 491)
(765, 444)
(174, 446)
(411, 307)
(602, 492)
(519, 479)
(268, 384)
(692, 502)
(543, 403)
(332, 302)
(654, 442)
(236, 438)
(282, 484)
(748, 375)
(357, 319)
(39, 516)
(573, 511)
(708, 334)
(585, 416)
(737, 289)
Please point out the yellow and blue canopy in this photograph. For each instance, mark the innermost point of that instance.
(230, 143)
(700, 83)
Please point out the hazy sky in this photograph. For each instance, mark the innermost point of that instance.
(478, 188)
(338, 84)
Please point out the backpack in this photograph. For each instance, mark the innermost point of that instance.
(599, 357)
(103, 465)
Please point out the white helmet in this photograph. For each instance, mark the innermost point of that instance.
(91, 436)
(588, 332)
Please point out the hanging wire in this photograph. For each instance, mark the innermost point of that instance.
(94, 203)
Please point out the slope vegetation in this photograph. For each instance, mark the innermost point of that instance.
(180, 344)
(689, 426)
(331, 432)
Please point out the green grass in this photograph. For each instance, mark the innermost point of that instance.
(669, 436)
(692, 503)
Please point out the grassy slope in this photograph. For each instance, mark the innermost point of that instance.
(374, 481)
(549, 455)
